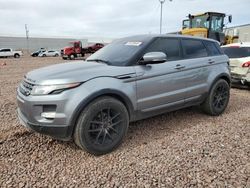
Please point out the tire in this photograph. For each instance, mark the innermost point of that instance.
(44, 55)
(72, 56)
(102, 126)
(90, 50)
(56, 55)
(64, 58)
(16, 56)
(218, 98)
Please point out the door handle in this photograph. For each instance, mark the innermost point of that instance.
(178, 66)
(210, 61)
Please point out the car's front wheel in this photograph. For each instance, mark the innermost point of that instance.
(72, 56)
(218, 98)
(102, 126)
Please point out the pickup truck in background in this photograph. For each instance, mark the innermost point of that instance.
(75, 49)
(8, 52)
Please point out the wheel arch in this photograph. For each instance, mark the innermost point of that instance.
(224, 77)
(105, 92)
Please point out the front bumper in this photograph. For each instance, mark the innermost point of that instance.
(56, 131)
(31, 108)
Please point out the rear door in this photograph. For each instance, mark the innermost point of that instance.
(161, 85)
(199, 64)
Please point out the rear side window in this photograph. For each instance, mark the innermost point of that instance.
(236, 52)
(170, 46)
(193, 48)
(5, 50)
(212, 48)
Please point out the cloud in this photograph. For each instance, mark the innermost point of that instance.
(110, 18)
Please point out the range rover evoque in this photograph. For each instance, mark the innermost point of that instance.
(130, 79)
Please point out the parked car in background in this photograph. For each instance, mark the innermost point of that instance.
(8, 52)
(239, 54)
(49, 53)
(128, 80)
(36, 53)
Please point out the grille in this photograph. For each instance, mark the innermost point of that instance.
(26, 87)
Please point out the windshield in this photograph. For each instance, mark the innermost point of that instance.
(119, 52)
(185, 24)
(200, 21)
(237, 52)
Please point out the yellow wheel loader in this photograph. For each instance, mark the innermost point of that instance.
(208, 25)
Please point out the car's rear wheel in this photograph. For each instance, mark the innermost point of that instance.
(44, 55)
(218, 98)
(56, 55)
(102, 126)
(16, 56)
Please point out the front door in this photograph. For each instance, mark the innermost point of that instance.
(161, 85)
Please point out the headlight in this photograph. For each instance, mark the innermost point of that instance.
(52, 89)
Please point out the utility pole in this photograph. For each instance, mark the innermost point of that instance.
(27, 37)
(162, 2)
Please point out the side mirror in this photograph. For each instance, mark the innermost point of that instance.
(230, 18)
(153, 58)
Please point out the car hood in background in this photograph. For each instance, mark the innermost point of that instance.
(75, 72)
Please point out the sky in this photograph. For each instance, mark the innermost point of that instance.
(107, 19)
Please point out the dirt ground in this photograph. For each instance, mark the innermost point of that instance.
(185, 148)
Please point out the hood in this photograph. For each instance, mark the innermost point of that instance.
(80, 71)
(68, 48)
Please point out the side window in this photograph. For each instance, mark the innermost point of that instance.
(211, 48)
(5, 50)
(193, 48)
(169, 46)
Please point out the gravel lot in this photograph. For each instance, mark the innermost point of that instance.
(180, 149)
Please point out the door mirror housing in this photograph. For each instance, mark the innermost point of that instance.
(153, 58)
(230, 18)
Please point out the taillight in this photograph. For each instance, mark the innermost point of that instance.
(247, 64)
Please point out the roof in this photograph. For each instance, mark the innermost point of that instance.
(209, 13)
(243, 25)
(148, 37)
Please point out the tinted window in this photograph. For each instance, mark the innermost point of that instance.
(211, 48)
(5, 50)
(169, 46)
(193, 48)
(236, 52)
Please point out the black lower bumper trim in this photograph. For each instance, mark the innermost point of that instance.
(60, 132)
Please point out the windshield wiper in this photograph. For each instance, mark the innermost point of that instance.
(100, 60)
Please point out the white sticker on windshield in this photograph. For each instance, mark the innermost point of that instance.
(133, 43)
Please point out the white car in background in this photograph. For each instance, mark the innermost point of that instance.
(8, 52)
(49, 53)
(239, 55)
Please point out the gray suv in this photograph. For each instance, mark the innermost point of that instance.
(128, 80)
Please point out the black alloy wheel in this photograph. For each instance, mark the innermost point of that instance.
(217, 99)
(102, 126)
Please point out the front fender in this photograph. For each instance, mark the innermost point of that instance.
(92, 89)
